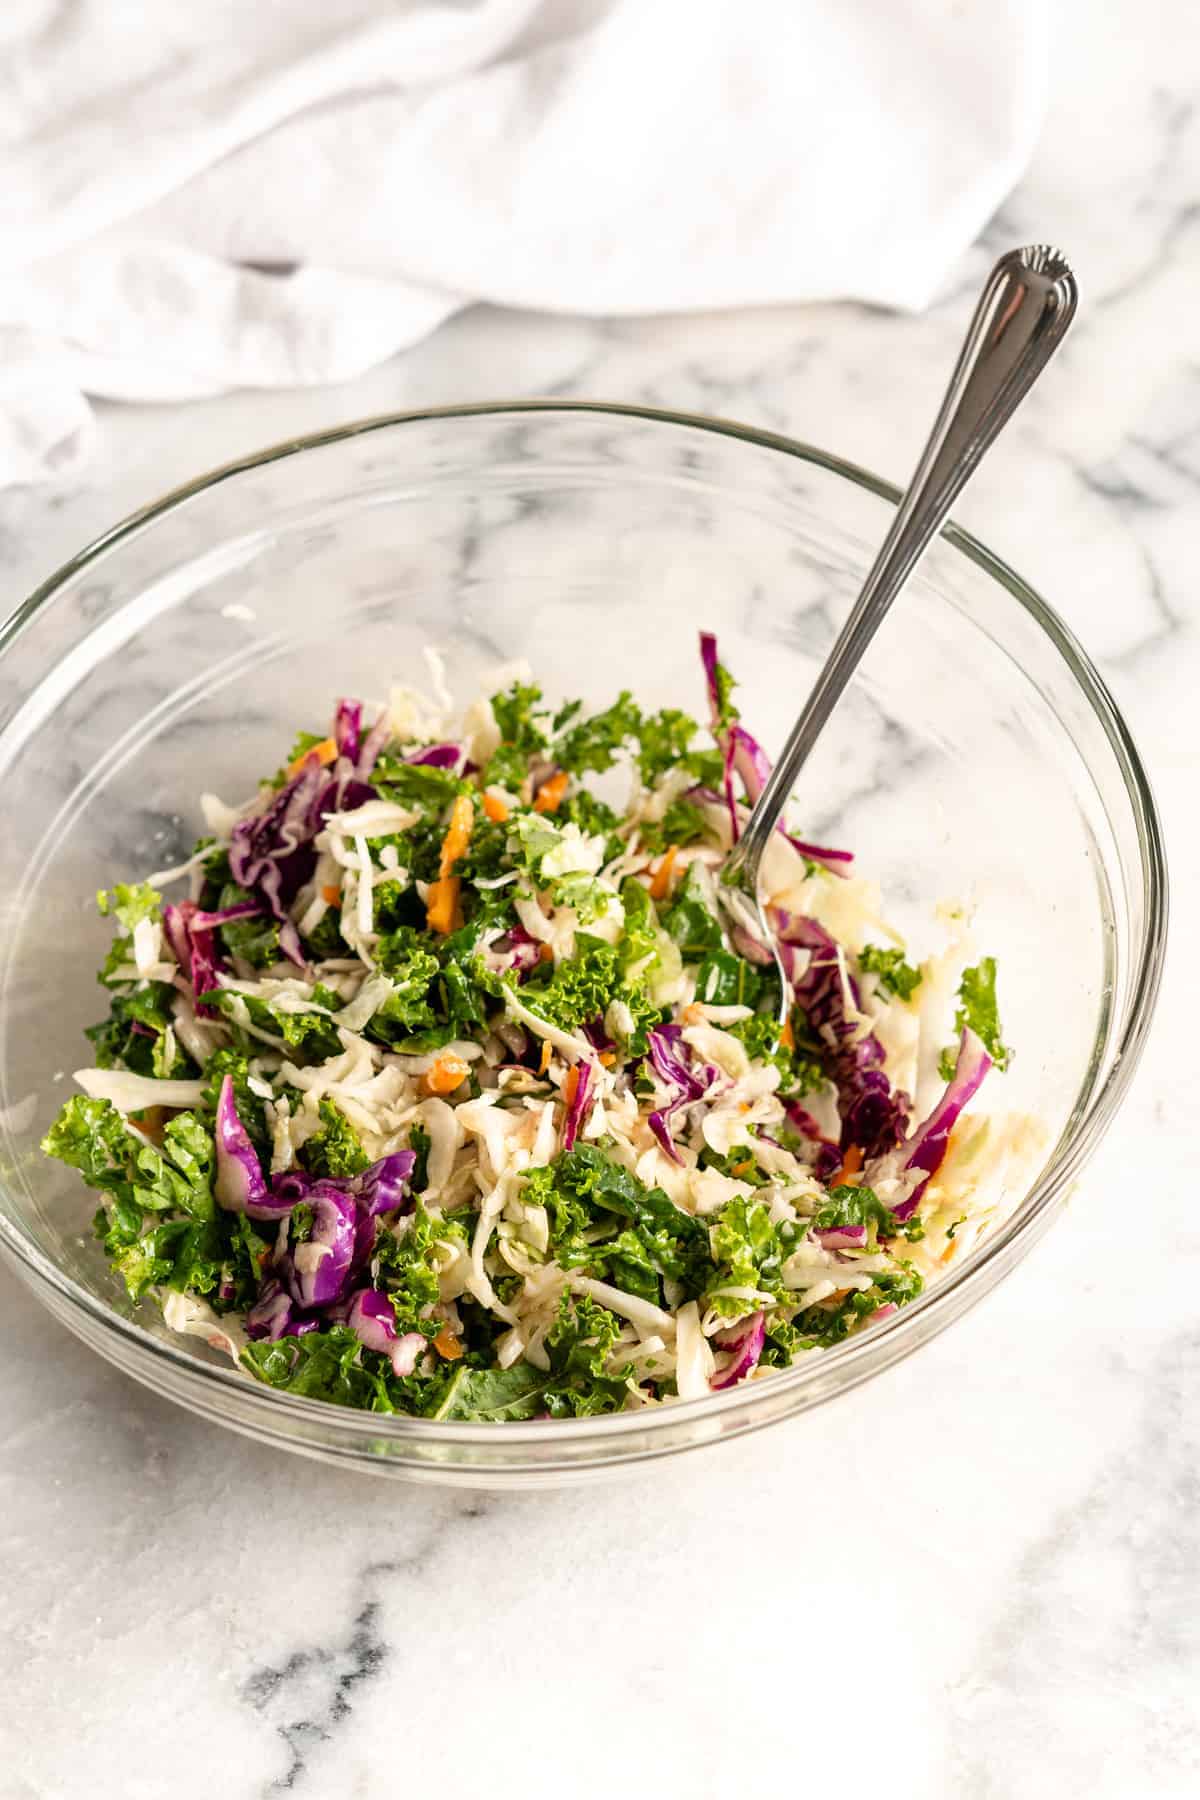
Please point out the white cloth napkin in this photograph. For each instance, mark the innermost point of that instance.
(195, 197)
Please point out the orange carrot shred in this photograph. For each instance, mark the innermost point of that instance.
(447, 1073)
(547, 1052)
(458, 834)
(551, 794)
(325, 752)
(332, 896)
(447, 1345)
(660, 885)
(571, 1084)
(442, 910)
(787, 1036)
(545, 953)
(851, 1163)
(152, 1122)
(607, 1058)
(495, 808)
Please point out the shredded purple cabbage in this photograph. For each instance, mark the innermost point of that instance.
(272, 855)
(372, 1318)
(874, 1114)
(347, 728)
(745, 1341)
(926, 1148)
(273, 1316)
(828, 1157)
(227, 915)
(375, 743)
(745, 757)
(577, 1109)
(437, 756)
(670, 1058)
(240, 1185)
(193, 948)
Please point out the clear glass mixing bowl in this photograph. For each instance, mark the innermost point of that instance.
(978, 755)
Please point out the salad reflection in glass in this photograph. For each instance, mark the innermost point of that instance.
(453, 1091)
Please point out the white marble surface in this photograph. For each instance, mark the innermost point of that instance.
(978, 1578)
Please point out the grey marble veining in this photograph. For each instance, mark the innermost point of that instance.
(976, 1579)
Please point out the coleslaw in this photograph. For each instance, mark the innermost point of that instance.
(452, 1090)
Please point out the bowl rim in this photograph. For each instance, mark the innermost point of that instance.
(862, 1354)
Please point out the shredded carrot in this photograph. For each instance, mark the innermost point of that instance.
(571, 1084)
(325, 752)
(495, 808)
(447, 1073)
(839, 1295)
(545, 953)
(742, 1168)
(551, 794)
(787, 1036)
(851, 1164)
(442, 910)
(547, 1053)
(152, 1122)
(607, 1058)
(447, 1345)
(458, 834)
(332, 896)
(660, 884)
(948, 1252)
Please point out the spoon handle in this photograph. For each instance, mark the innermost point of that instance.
(1021, 319)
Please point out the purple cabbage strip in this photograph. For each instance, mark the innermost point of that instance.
(347, 728)
(273, 1316)
(271, 855)
(227, 915)
(926, 1147)
(842, 1237)
(140, 1029)
(577, 1109)
(384, 1186)
(239, 1184)
(746, 1349)
(345, 1211)
(372, 1318)
(874, 1114)
(750, 761)
(523, 951)
(710, 659)
(819, 854)
(667, 1052)
(596, 1035)
(744, 756)
(194, 951)
(317, 1272)
(373, 746)
(829, 1157)
(833, 859)
(730, 798)
(437, 756)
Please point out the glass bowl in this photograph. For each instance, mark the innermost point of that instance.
(978, 755)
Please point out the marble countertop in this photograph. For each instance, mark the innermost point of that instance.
(977, 1578)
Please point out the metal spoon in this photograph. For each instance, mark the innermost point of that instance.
(1022, 317)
